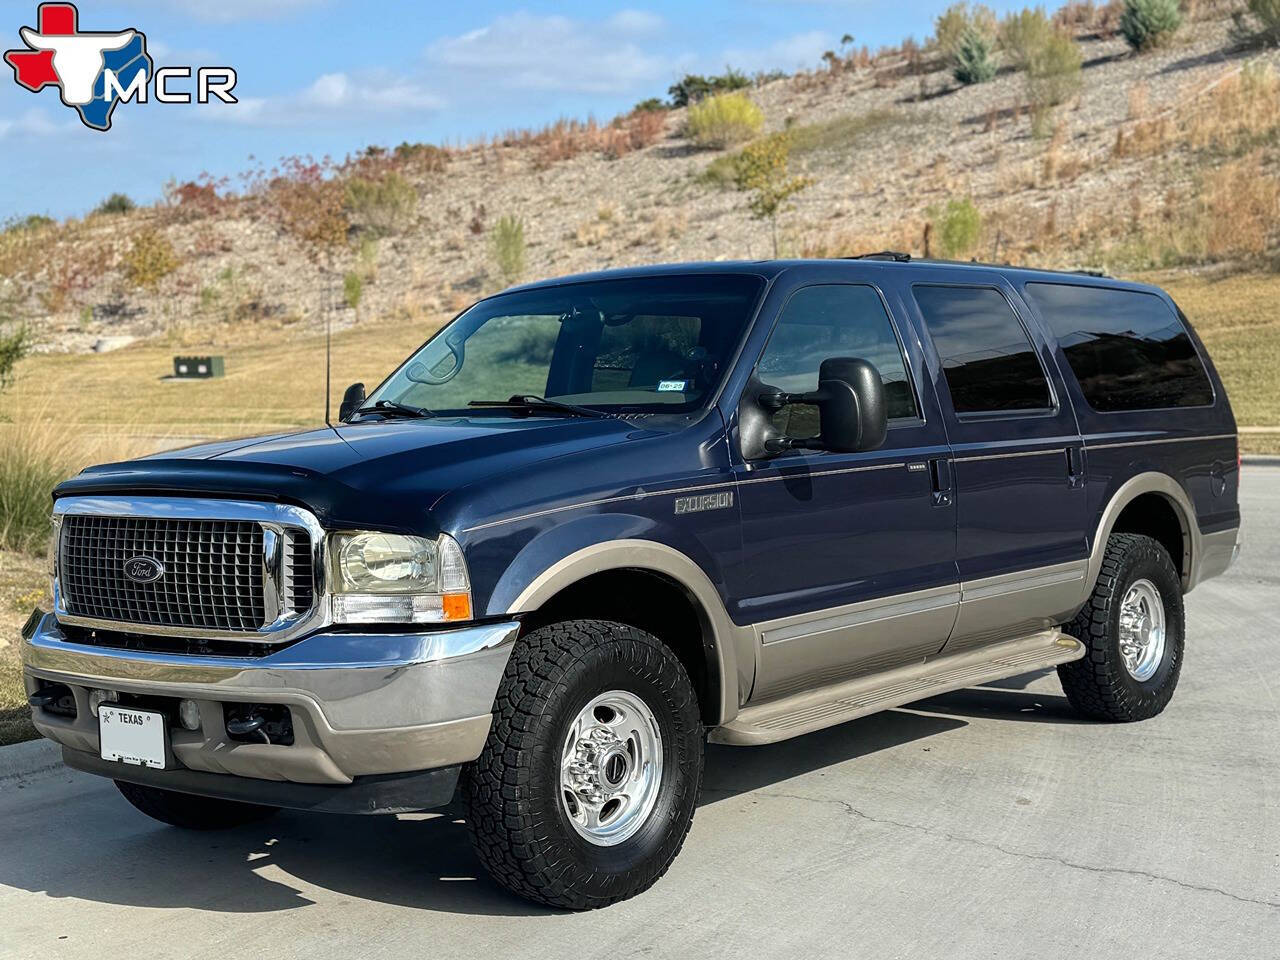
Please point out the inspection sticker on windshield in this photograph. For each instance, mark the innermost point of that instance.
(671, 386)
(135, 737)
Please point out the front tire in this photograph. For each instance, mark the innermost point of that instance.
(189, 811)
(587, 784)
(1134, 630)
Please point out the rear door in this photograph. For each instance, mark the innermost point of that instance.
(1019, 469)
(849, 558)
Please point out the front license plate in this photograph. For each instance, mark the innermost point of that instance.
(137, 737)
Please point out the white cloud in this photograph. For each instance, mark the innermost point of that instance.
(799, 51)
(336, 98)
(527, 51)
(227, 11)
(34, 122)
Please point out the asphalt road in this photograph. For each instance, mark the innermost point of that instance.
(985, 823)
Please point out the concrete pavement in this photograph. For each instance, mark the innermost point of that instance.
(985, 823)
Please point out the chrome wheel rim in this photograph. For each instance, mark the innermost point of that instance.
(611, 768)
(1142, 630)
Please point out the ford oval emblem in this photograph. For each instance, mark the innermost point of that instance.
(143, 569)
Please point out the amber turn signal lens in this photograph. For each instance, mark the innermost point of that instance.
(457, 606)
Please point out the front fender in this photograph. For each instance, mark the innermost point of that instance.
(564, 553)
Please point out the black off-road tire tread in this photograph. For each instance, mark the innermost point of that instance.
(1098, 686)
(192, 812)
(503, 832)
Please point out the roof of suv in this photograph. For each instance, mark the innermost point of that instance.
(772, 268)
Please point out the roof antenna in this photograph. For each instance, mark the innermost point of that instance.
(328, 366)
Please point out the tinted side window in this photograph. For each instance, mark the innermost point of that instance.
(986, 355)
(1128, 349)
(835, 320)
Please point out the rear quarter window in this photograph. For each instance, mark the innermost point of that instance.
(1128, 349)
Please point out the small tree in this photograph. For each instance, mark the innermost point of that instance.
(116, 203)
(973, 62)
(1147, 24)
(763, 169)
(14, 345)
(1053, 77)
(1022, 34)
(506, 244)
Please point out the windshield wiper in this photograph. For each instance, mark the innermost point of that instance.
(389, 408)
(531, 401)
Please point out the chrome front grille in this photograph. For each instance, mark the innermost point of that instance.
(193, 568)
(212, 572)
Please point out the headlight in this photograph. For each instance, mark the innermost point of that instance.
(390, 578)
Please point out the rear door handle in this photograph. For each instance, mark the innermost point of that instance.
(1075, 467)
(940, 477)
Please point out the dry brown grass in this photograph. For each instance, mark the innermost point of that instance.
(1242, 210)
(1238, 112)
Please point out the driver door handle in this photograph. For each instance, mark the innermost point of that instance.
(940, 479)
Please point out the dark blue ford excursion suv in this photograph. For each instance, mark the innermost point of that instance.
(594, 521)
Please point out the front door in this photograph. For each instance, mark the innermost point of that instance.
(849, 559)
(1019, 468)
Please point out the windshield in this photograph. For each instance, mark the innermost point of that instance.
(651, 344)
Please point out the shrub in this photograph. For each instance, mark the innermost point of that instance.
(695, 87)
(313, 212)
(1053, 77)
(353, 289)
(762, 169)
(649, 105)
(1023, 34)
(150, 259)
(957, 20)
(426, 157)
(201, 198)
(33, 222)
(506, 245)
(381, 207)
(958, 227)
(972, 59)
(1266, 26)
(116, 203)
(1149, 23)
(724, 119)
(14, 345)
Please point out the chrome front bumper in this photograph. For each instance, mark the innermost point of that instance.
(362, 704)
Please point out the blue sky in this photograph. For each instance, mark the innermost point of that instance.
(330, 76)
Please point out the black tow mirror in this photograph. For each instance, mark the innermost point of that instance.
(352, 401)
(851, 405)
(852, 413)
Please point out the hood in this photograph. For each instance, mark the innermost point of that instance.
(385, 474)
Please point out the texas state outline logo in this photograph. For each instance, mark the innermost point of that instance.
(93, 70)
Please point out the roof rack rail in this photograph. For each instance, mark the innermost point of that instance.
(894, 255)
(1089, 272)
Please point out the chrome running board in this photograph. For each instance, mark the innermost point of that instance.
(827, 706)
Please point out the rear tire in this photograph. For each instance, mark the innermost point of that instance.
(1134, 630)
(189, 811)
(586, 787)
